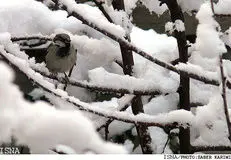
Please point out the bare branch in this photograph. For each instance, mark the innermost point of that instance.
(13, 39)
(212, 6)
(101, 8)
(108, 122)
(223, 94)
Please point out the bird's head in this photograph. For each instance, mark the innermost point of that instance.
(62, 40)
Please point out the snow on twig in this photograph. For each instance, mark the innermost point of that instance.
(123, 105)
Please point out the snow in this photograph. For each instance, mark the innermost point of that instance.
(101, 77)
(222, 7)
(154, 44)
(101, 22)
(179, 25)
(212, 126)
(153, 6)
(40, 122)
(169, 27)
(19, 23)
(120, 18)
(159, 137)
(162, 104)
(64, 149)
(129, 145)
(226, 37)
(208, 27)
(129, 5)
(42, 127)
(189, 5)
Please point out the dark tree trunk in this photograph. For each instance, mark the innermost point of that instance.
(176, 14)
(137, 105)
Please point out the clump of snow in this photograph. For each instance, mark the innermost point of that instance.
(153, 6)
(101, 22)
(101, 77)
(64, 149)
(191, 68)
(222, 7)
(200, 92)
(226, 37)
(189, 5)
(210, 120)
(159, 137)
(169, 27)
(154, 44)
(129, 5)
(120, 18)
(26, 17)
(208, 27)
(162, 104)
(128, 145)
(179, 25)
(43, 127)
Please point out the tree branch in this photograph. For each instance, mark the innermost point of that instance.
(101, 8)
(97, 88)
(129, 118)
(184, 88)
(142, 53)
(13, 39)
(223, 94)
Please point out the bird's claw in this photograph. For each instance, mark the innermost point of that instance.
(66, 78)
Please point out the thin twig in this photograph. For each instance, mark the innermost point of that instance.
(223, 94)
(69, 75)
(101, 8)
(119, 63)
(212, 6)
(13, 39)
(165, 145)
(108, 122)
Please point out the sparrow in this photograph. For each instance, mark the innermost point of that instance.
(61, 56)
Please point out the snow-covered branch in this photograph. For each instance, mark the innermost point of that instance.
(170, 119)
(71, 10)
(41, 127)
(99, 88)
